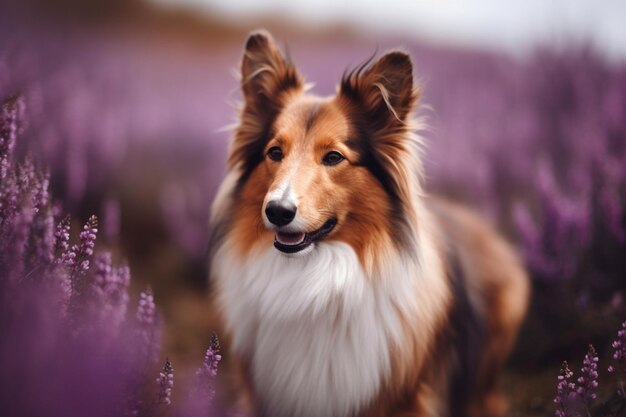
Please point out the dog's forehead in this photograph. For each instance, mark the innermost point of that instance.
(311, 119)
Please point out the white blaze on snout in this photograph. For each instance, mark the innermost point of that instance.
(284, 193)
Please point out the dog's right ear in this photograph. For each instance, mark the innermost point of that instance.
(267, 80)
(266, 75)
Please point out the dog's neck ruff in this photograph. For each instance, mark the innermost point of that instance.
(316, 331)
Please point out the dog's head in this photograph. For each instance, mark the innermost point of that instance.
(314, 169)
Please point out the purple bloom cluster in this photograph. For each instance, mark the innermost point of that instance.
(148, 329)
(203, 393)
(62, 238)
(565, 391)
(110, 285)
(208, 371)
(212, 358)
(146, 310)
(619, 353)
(78, 256)
(588, 381)
(11, 123)
(166, 383)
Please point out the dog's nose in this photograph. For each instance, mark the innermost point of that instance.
(280, 213)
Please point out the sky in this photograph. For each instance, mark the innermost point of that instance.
(511, 26)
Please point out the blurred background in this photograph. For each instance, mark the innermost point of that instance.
(128, 103)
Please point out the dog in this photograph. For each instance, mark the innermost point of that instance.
(345, 290)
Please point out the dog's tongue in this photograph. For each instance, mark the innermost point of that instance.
(290, 238)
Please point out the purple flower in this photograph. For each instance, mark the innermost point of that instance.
(110, 285)
(208, 371)
(148, 329)
(88, 237)
(9, 198)
(62, 238)
(166, 383)
(78, 261)
(199, 402)
(565, 392)
(146, 309)
(588, 381)
(80, 254)
(619, 350)
(10, 126)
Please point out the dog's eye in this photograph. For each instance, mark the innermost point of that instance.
(332, 158)
(275, 153)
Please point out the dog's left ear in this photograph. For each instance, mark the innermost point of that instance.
(383, 90)
(379, 98)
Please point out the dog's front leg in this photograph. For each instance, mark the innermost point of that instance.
(245, 404)
(427, 403)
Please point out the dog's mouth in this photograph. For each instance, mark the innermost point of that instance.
(296, 242)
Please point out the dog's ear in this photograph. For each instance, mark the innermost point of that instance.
(266, 75)
(379, 98)
(383, 90)
(267, 80)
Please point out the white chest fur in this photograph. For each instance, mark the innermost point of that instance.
(317, 332)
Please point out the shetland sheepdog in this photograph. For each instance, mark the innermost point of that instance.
(344, 289)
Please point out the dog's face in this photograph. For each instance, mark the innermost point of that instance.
(315, 169)
(309, 168)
